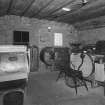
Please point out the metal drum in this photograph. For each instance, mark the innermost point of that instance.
(85, 65)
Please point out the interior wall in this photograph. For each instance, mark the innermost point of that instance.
(92, 35)
(38, 30)
(92, 30)
(39, 34)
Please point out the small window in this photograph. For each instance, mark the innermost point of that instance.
(58, 39)
(21, 38)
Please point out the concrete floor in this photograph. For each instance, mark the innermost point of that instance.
(44, 90)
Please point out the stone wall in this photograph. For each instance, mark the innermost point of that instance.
(37, 29)
(39, 35)
(92, 35)
(92, 30)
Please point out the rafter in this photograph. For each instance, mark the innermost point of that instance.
(9, 7)
(93, 14)
(76, 11)
(42, 8)
(64, 5)
(29, 6)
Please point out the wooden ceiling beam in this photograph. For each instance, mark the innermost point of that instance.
(9, 7)
(29, 6)
(85, 8)
(90, 24)
(54, 16)
(92, 14)
(42, 8)
(64, 5)
(84, 17)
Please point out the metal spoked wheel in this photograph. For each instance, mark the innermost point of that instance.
(70, 83)
(86, 65)
(81, 65)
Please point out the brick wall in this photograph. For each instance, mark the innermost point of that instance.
(37, 29)
(92, 35)
(92, 30)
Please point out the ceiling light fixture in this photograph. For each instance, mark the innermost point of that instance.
(84, 2)
(49, 28)
(66, 9)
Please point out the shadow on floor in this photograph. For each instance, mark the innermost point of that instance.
(44, 90)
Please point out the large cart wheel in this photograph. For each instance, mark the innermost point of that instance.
(86, 65)
(70, 83)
